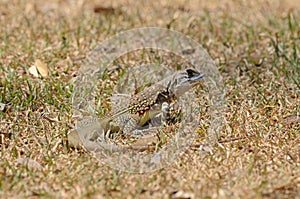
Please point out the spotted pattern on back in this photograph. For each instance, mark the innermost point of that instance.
(144, 101)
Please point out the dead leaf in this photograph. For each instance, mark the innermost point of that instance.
(41, 67)
(31, 164)
(182, 195)
(2, 106)
(106, 10)
(32, 70)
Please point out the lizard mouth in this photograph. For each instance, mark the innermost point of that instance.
(194, 76)
(197, 78)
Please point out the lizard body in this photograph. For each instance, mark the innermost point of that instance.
(148, 104)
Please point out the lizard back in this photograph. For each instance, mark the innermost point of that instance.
(151, 96)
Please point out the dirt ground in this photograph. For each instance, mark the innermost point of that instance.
(255, 45)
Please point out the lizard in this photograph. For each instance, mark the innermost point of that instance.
(149, 103)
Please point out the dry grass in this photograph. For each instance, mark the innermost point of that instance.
(256, 46)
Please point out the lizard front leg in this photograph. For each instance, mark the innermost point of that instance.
(137, 125)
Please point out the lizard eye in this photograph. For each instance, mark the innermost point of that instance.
(192, 72)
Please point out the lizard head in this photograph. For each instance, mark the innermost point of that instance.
(184, 80)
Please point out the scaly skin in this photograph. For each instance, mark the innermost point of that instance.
(147, 104)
